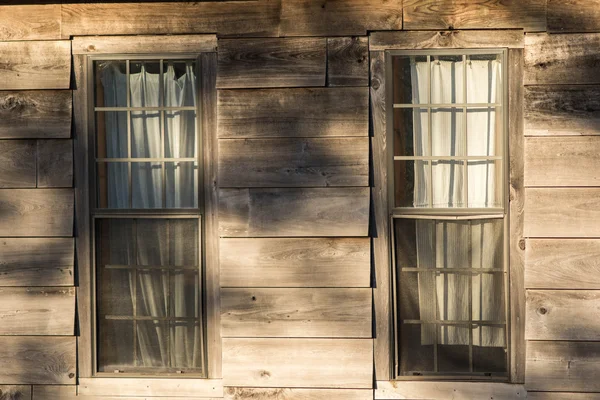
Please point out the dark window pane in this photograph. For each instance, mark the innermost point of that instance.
(115, 345)
(410, 79)
(113, 184)
(411, 132)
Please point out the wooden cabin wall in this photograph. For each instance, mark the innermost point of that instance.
(294, 176)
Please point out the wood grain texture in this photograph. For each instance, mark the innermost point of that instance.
(252, 18)
(37, 360)
(37, 311)
(54, 392)
(391, 390)
(562, 212)
(562, 110)
(562, 161)
(17, 163)
(348, 61)
(562, 366)
(336, 18)
(475, 14)
(562, 396)
(150, 387)
(35, 65)
(380, 231)
(16, 392)
(561, 59)
(271, 62)
(288, 312)
(310, 112)
(516, 215)
(573, 15)
(288, 262)
(414, 40)
(563, 314)
(36, 212)
(30, 22)
(240, 393)
(323, 363)
(563, 264)
(35, 114)
(294, 162)
(294, 212)
(54, 163)
(145, 44)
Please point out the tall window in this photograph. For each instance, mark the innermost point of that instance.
(147, 215)
(448, 205)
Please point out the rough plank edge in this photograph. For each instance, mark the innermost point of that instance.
(144, 44)
(414, 40)
(389, 390)
(150, 387)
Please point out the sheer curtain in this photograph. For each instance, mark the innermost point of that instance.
(157, 293)
(459, 244)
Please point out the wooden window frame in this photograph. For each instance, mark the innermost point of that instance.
(203, 48)
(379, 43)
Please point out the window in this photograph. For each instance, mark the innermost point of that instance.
(447, 148)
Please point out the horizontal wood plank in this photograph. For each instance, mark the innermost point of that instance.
(240, 393)
(562, 366)
(30, 22)
(415, 40)
(562, 264)
(288, 262)
(348, 61)
(37, 360)
(310, 112)
(294, 162)
(562, 110)
(37, 261)
(475, 14)
(54, 163)
(391, 390)
(144, 44)
(35, 65)
(17, 163)
(562, 396)
(563, 315)
(252, 18)
(335, 18)
(561, 59)
(37, 311)
(54, 392)
(323, 363)
(294, 212)
(562, 161)
(15, 392)
(36, 212)
(573, 15)
(323, 312)
(271, 62)
(150, 387)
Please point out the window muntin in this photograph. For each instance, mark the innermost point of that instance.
(447, 201)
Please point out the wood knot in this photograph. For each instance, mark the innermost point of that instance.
(11, 103)
(522, 244)
(71, 375)
(91, 47)
(375, 84)
(265, 374)
(543, 310)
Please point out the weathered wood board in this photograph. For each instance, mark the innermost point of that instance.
(415, 40)
(322, 363)
(563, 314)
(35, 65)
(562, 110)
(118, 387)
(475, 14)
(144, 44)
(240, 393)
(295, 162)
(37, 311)
(17, 163)
(294, 212)
(30, 22)
(335, 18)
(322, 312)
(562, 59)
(563, 264)
(348, 61)
(252, 18)
(36, 212)
(271, 62)
(562, 212)
(391, 390)
(289, 262)
(573, 15)
(310, 112)
(54, 392)
(562, 396)
(562, 366)
(37, 360)
(16, 392)
(54, 163)
(562, 161)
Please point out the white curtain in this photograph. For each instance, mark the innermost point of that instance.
(159, 293)
(459, 244)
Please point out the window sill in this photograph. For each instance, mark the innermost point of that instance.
(446, 390)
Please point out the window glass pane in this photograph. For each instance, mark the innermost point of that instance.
(110, 83)
(448, 184)
(411, 183)
(410, 79)
(484, 131)
(180, 83)
(180, 134)
(484, 78)
(111, 134)
(147, 188)
(447, 132)
(115, 345)
(447, 79)
(144, 83)
(113, 184)
(411, 132)
(145, 134)
(485, 188)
